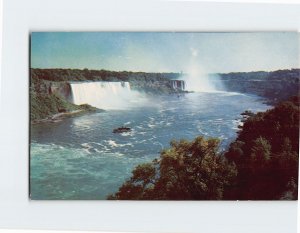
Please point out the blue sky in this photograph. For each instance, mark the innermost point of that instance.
(164, 52)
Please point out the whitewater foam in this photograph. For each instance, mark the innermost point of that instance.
(106, 95)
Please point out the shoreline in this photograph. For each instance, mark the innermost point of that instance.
(57, 117)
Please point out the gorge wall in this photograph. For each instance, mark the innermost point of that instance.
(152, 83)
(59, 90)
(51, 89)
(275, 86)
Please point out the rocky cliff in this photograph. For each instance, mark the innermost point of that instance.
(276, 86)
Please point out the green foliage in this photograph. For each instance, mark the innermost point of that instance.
(276, 86)
(186, 171)
(148, 82)
(59, 75)
(46, 105)
(43, 105)
(45, 101)
(261, 164)
(266, 154)
(260, 151)
(140, 185)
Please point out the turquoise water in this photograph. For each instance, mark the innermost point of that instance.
(80, 157)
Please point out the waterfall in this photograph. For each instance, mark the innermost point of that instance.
(104, 95)
(204, 83)
(198, 80)
(178, 85)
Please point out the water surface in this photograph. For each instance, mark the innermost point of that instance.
(80, 157)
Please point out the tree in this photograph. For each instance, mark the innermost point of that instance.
(186, 171)
(260, 151)
(266, 155)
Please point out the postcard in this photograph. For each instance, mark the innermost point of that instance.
(164, 116)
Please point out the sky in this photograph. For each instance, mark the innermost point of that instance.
(166, 52)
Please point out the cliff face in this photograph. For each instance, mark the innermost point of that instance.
(51, 91)
(61, 89)
(159, 86)
(49, 98)
(48, 87)
(57, 80)
(64, 89)
(276, 86)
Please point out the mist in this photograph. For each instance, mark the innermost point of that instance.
(202, 82)
(197, 79)
(107, 95)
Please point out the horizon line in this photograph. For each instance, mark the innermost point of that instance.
(161, 72)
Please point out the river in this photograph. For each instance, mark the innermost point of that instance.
(80, 157)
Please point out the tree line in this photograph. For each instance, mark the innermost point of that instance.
(276, 86)
(59, 75)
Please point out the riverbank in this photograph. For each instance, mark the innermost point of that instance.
(58, 117)
(51, 107)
